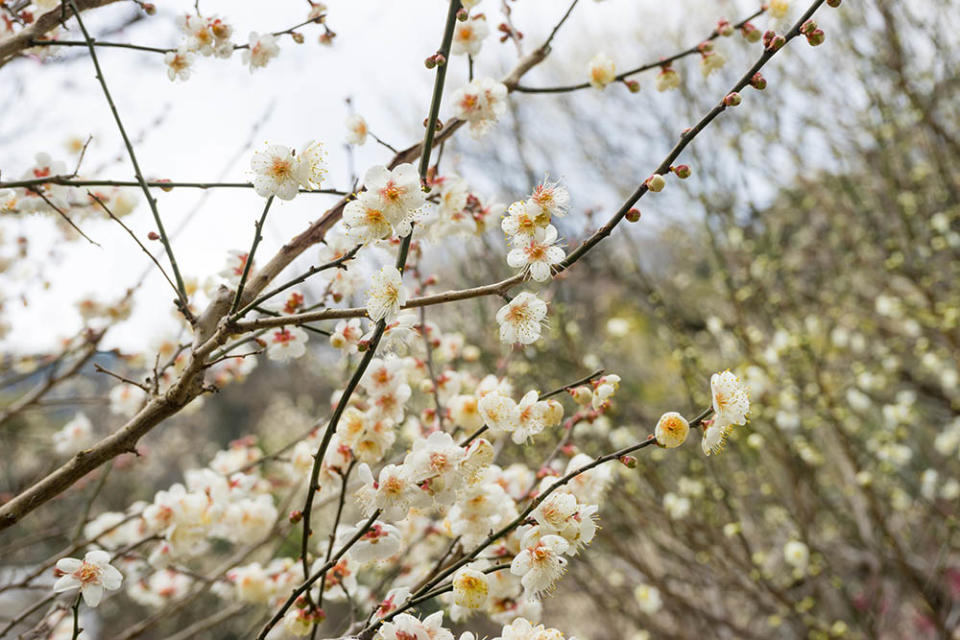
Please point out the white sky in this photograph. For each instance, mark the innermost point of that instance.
(377, 61)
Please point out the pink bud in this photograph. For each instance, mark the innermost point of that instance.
(295, 516)
(732, 99)
(633, 215)
(682, 171)
(628, 461)
(758, 82)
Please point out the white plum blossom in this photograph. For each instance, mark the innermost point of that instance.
(126, 399)
(481, 102)
(380, 542)
(468, 36)
(386, 294)
(713, 440)
(671, 430)
(356, 129)
(796, 554)
(470, 588)
(648, 598)
(604, 389)
(602, 70)
(540, 562)
(346, 335)
(520, 319)
(178, 65)
(550, 199)
(538, 255)
(667, 79)
(365, 219)
(392, 492)
(91, 575)
(262, 49)
(74, 436)
(731, 402)
(286, 343)
(400, 194)
(521, 221)
(280, 171)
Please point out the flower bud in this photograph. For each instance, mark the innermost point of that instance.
(582, 395)
(732, 99)
(633, 215)
(758, 82)
(808, 27)
(816, 37)
(153, 235)
(462, 15)
(656, 183)
(750, 32)
(430, 62)
(151, 9)
(297, 37)
(682, 171)
(724, 28)
(295, 516)
(777, 43)
(833, 3)
(628, 461)
(632, 85)
(768, 36)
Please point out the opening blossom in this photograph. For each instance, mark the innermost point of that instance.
(667, 79)
(470, 588)
(540, 562)
(520, 319)
(178, 64)
(286, 343)
(481, 103)
(263, 48)
(731, 404)
(549, 199)
(386, 294)
(538, 254)
(279, 171)
(602, 71)
(356, 129)
(468, 36)
(672, 430)
(75, 435)
(91, 575)
(399, 193)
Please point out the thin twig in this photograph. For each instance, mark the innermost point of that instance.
(135, 239)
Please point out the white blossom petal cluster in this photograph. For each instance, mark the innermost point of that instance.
(280, 171)
(481, 103)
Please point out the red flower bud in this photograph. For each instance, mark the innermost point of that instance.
(682, 171)
(633, 215)
(153, 235)
(628, 461)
